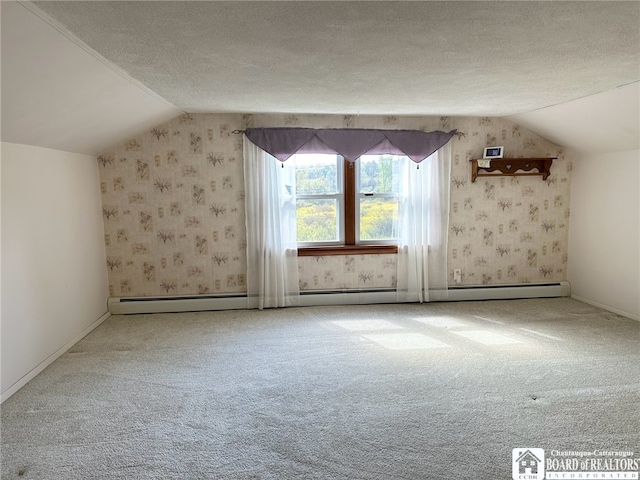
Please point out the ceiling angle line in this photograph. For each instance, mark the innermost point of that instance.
(116, 69)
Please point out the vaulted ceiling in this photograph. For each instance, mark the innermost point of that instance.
(539, 63)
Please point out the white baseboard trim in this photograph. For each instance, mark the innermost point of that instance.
(50, 359)
(607, 307)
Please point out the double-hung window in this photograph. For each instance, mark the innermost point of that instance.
(327, 204)
(346, 207)
(377, 191)
(319, 197)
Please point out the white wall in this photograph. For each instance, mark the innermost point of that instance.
(604, 238)
(613, 127)
(54, 279)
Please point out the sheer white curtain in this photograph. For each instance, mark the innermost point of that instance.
(423, 224)
(272, 255)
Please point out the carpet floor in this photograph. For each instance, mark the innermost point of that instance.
(431, 391)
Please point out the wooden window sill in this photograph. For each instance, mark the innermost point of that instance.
(347, 250)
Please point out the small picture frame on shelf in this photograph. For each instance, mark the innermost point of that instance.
(493, 152)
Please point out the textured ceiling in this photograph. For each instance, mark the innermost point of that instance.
(422, 58)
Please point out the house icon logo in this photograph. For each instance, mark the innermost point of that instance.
(528, 464)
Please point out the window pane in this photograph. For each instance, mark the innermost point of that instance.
(378, 218)
(379, 174)
(316, 174)
(317, 220)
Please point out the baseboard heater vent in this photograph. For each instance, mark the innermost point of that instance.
(196, 303)
(506, 292)
(191, 303)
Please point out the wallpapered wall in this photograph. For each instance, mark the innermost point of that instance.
(173, 208)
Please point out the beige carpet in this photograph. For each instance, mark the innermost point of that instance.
(432, 391)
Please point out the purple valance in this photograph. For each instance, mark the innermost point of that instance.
(351, 143)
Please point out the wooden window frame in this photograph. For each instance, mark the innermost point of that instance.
(350, 247)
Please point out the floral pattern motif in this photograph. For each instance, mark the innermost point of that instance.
(173, 208)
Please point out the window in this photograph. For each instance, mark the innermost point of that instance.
(377, 189)
(319, 197)
(345, 207)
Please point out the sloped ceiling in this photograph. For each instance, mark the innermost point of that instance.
(405, 58)
(602, 123)
(57, 93)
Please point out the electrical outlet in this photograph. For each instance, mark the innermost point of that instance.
(457, 275)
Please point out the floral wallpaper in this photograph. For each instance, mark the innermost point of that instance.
(173, 208)
(507, 229)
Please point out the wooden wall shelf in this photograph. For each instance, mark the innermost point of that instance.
(511, 167)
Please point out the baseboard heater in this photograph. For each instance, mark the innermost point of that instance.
(506, 292)
(196, 303)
